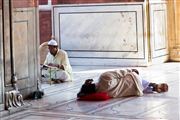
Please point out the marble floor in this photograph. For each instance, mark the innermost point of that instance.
(60, 103)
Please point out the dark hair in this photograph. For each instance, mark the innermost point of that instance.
(136, 71)
(87, 88)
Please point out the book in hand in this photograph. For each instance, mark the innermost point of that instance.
(43, 66)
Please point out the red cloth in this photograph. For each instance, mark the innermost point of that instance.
(99, 96)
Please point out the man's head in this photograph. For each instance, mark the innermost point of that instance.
(53, 47)
(87, 88)
(136, 71)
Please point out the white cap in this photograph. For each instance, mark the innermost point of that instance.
(52, 42)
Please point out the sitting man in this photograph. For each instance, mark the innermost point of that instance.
(121, 83)
(57, 61)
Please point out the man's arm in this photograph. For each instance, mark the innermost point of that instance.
(56, 65)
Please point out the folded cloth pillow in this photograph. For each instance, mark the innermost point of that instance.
(98, 96)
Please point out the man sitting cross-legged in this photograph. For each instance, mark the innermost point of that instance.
(57, 61)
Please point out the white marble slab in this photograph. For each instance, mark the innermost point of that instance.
(158, 21)
(101, 32)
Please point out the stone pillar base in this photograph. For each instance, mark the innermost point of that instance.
(13, 99)
(175, 54)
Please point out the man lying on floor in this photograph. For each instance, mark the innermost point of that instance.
(119, 83)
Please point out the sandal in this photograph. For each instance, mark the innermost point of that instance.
(162, 87)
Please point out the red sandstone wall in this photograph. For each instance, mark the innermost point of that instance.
(24, 3)
(90, 1)
(45, 23)
(45, 26)
(43, 2)
(0, 4)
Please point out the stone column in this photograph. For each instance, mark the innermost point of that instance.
(7, 44)
(174, 29)
(1, 62)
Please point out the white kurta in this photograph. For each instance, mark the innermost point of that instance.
(61, 58)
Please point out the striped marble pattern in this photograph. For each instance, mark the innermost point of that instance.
(59, 102)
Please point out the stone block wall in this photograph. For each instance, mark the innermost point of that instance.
(24, 3)
(43, 2)
(45, 25)
(0, 4)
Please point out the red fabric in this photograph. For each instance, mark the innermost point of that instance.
(99, 96)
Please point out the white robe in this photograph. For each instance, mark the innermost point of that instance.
(120, 83)
(61, 58)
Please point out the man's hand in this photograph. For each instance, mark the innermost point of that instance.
(53, 65)
(56, 65)
(61, 67)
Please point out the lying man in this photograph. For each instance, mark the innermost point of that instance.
(121, 83)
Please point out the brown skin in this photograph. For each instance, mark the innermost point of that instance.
(53, 50)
